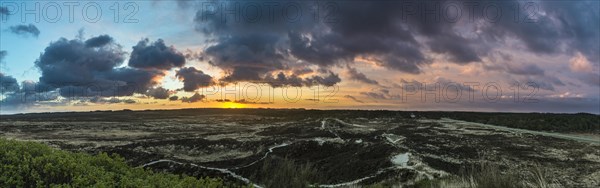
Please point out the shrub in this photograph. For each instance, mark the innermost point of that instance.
(30, 164)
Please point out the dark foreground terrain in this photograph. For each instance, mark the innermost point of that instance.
(328, 148)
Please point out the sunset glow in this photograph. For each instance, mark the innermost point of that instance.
(233, 105)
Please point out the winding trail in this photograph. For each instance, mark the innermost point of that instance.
(270, 150)
(357, 180)
(263, 157)
(222, 170)
(345, 123)
(225, 170)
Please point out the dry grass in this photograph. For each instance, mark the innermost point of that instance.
(489, 175)
(282, 172)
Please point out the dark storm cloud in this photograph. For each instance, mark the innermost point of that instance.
(8, 84)
(281, 80)
(461, 50)
(29, 94)
(158, 93)
(193, 78)
(529, 69)
(253, 50)
(543, 26)
(329, 80)
(303, 71)
(247, 57)
(155, 55)
(362, 30)
(194, 98)
(397, 34)
(98, 41)
(25, 30)
(91, 68)
(358, 76)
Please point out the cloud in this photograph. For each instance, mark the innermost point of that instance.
(3, 54)
(78, 69)
(580, 63)
(586, 72)
(241, 101)
(98, 41)
(8, 84)
(302, 71)
(592, 79)
(25, 30)
(355, 75)
(194, 79)
(281, 80)
(244, 101)
(551, 25)
(112, 100)
(353, 98)
(524, 69)
(155, 55)
(158, 93)
(380, 93)
(194, 98)
(247, 57)
(392, 36)
(329, 80)
(29, 94)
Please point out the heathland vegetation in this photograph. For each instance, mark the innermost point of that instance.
(581, 122)
(30, 164)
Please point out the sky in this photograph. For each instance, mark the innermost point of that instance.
(447, 55)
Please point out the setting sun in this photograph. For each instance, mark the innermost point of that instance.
(233, 105)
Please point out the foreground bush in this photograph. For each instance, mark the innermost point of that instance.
(30, 164)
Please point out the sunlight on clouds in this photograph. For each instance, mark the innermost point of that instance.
(580, 63)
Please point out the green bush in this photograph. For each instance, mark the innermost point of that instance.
(30, 164)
